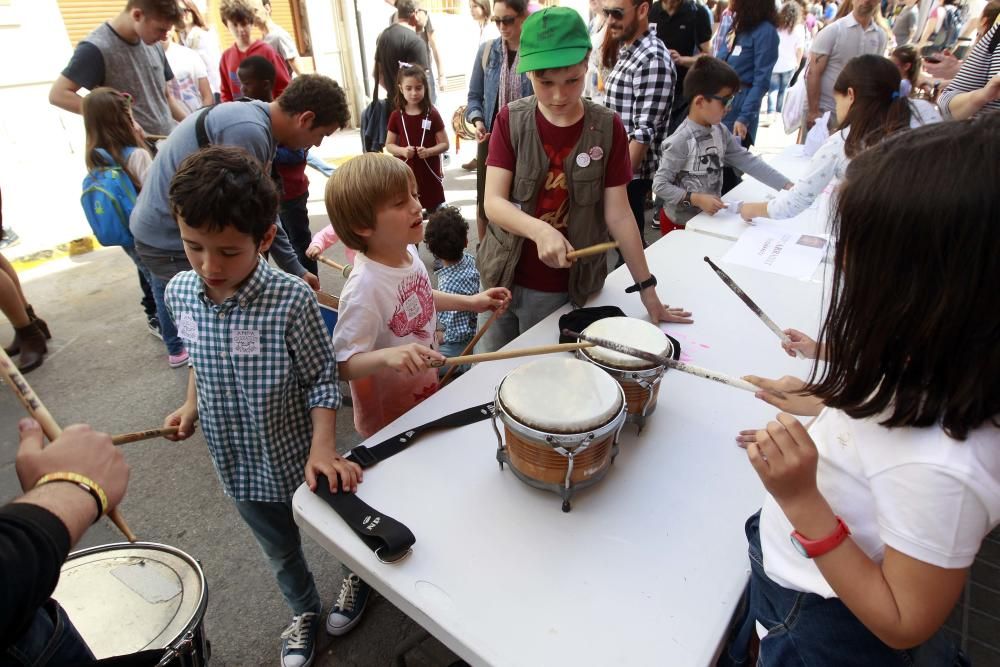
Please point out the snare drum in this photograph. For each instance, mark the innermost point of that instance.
(640, 379)
(561, 420)
(125, 598)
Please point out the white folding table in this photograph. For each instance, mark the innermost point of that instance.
(648, 566)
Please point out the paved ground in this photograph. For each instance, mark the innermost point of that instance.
(105, 369)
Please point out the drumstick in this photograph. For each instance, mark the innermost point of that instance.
(343, 268)
(768, 322)
(472, 344)
(126, 438)
(508, 354)
(156, 137)
(592, 250)
(326, 299)
(40, 414)
(669, 362)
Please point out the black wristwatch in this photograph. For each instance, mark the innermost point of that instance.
(686, 202)
(638, 287)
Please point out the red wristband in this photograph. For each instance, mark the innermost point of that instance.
(816, 548)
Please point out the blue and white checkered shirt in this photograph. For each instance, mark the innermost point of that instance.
(262, 360)
(640, 89)
(460, 278)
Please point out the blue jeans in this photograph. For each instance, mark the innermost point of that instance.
(51, 639)
(454, 350)
(167, 328)
(779, 83)
(274, 528)
(808, 629)
(527, 308)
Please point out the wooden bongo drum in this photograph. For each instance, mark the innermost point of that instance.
(561, 419)
(640, 379)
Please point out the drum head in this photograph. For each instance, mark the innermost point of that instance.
(560, 395)
(627, 331)
(125, 598)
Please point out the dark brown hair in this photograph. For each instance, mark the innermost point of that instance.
(748, 14)
(908, 55)
(224, 186)
(399, 100)
(107, 122)
(198, 19)
(789, 16)
(447, 234)
(319, 94)
(878, 109)
(237, 12)
(161, 9)
(708, 76)
(912, 328)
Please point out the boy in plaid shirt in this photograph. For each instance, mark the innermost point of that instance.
(447, 236)
(263, 380)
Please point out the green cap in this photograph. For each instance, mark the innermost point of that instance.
(553, 37)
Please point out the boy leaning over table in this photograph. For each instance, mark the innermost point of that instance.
(555, 182)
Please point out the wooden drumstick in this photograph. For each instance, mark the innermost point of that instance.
(768, 322)
(326, 299)
(592, 250)
(508, 354)
(472, 344)
(126, 438)
(40, 414)
(669, 362)
(345, 269)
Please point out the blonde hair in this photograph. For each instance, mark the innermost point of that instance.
(358, 189)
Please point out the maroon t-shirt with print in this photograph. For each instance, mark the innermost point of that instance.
(553, 199)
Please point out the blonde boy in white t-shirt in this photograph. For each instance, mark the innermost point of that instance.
(388, 311)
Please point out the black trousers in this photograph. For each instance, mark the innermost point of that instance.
(637, 190)
(295, 219)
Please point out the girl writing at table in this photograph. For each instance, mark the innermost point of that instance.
(870, 107)
(877, 508)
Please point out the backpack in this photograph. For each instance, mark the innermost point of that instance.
(108, 199)
(946, 36)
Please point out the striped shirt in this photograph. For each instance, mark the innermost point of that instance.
(640, 90)
(978, 68)
(460, 278)
(262, 360)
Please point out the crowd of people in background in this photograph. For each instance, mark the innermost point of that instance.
(580, 125)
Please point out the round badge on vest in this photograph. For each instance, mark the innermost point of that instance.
(583, 160)
(596, 153)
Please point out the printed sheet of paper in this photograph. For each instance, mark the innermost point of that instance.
(774, 248)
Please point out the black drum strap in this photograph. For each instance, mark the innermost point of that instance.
(388, 538)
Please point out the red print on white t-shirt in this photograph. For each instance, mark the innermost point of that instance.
(414, 307)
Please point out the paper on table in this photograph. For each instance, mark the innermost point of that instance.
(774, 248)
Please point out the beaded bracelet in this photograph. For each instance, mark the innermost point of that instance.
(85, 483)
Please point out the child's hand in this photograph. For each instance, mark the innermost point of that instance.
(481, 133)
(324, 460)
(313, 251)
(185, 418)
(710, 204)
(801, 342)
(552, 247)
(661, 312)
(786, 394)
(410, 152)
(423, 153)
(751, 210)
(311, 280)
(495, 298)
(411, 358)
(785, 458)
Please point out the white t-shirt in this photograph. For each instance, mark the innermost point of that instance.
(279, 40)
(206, 44)
(914, 489)
(382, 307)
(188, 67)
(138, 164)
(788, 44)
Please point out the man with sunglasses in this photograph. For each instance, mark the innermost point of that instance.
(124, 53)
(640, 89)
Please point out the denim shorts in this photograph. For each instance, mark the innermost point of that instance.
(808, 629)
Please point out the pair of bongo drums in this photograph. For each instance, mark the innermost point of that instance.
(562, 417)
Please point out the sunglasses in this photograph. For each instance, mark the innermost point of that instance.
(505, 20)
(616, 13)
(727, 101)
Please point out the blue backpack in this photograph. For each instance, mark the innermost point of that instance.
(108, 199)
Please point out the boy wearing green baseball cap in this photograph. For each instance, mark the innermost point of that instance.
(555, 181)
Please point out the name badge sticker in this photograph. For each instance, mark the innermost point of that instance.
(737, 50)
(187, 328)
(425, 124)
(245, 342)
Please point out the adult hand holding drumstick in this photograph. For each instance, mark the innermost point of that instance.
(79, 451)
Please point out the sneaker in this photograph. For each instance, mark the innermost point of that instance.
(178, 360)
(153, 324)
(298, 641)
(350, 605)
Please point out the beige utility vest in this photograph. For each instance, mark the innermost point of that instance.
(500, 250)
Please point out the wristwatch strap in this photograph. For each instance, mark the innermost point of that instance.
(638, 287)
(816, 548)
